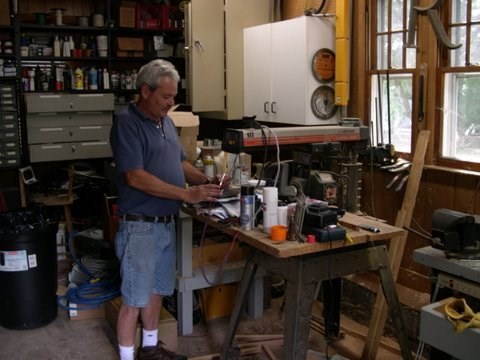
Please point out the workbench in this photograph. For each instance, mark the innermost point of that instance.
(190, 278)
(303, 266)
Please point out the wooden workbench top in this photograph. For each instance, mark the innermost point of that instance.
(283, 249)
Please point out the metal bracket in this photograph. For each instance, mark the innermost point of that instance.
(432, 14)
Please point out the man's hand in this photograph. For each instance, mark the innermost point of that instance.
(222, 180)
(207, 192)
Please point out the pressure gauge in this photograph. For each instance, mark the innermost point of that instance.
(323, 102)
(323, 65)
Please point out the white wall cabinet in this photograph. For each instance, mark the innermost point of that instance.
(278, 77)
(214, 53)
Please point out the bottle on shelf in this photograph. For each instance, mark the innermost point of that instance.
(66, 47)
(71, 43)
(56, 47)
(67, 78)
(106, 79)
(92, 79)
(38, 78)
(78, 84)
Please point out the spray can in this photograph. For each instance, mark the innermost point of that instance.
(247, 207)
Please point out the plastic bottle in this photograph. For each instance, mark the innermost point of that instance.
(106, 79)
(66, 48)
(78, 84)
(100, 78)
(56, 47)
(71, 43)
(92, 79)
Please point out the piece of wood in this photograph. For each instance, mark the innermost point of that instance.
(269, 352)
(397, 246)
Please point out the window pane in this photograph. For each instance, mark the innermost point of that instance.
(382, 17)
(475, 46)
(397, 51)
(397, 15)
(461, 123)
(411, 58)
(475, 10)
(382, 52)
(459, 11)
(457, 56)
(400, 111)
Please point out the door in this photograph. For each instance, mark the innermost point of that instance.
(257, 71)
(205, 55)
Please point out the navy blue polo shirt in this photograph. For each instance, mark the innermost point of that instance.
(138, 143)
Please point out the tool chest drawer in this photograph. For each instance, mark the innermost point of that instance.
(68, 102)
(81, 118)
(68, 126)
(67, 133)
(70, 151)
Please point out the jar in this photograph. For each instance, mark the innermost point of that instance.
(208, 166)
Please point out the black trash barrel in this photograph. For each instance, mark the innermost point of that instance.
(28, 270)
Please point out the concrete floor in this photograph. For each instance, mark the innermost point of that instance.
(94, 339)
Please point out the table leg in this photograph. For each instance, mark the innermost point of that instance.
(227, 352)
(299, 297)
(391, 297)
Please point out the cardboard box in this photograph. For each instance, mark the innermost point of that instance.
(129, 47)
(218, 301)
(213, 252)
(126, 15)
(167, 327)
(95, 313)
(187, 125)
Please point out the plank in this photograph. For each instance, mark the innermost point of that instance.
(397, 246)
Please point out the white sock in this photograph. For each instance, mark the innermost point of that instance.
(126, 352)
(149, 337)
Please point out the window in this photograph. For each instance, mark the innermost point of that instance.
(392, 76)
(461, 91)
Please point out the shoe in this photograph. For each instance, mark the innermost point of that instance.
(158, 353)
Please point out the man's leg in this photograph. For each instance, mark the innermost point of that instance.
(126, 329)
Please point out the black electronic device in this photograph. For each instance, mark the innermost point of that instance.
(458, 234)
(319, 216)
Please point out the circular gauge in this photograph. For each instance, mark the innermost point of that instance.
(323, 102)
(323, 65)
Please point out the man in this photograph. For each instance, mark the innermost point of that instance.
(151, 171)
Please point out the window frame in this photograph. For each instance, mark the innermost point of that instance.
(432, 56)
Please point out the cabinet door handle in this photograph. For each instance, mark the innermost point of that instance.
(265, 107)
(273, 107)
(198, 44)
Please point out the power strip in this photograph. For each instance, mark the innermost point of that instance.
(459, 284)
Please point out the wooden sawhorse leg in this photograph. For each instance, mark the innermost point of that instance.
(227, 351)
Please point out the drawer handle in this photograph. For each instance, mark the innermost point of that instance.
(73, 148)
(70, 133)
(71, 105)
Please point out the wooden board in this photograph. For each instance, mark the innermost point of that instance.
(397, 247)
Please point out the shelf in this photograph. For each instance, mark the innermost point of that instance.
(63, 28)
(62, 58)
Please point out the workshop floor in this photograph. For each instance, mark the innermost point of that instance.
(94, 339)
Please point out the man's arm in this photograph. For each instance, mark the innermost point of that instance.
(150, 184)
(193, 175)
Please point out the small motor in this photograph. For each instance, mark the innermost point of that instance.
(322, 186)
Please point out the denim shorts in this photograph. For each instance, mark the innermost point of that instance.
(147, 253)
